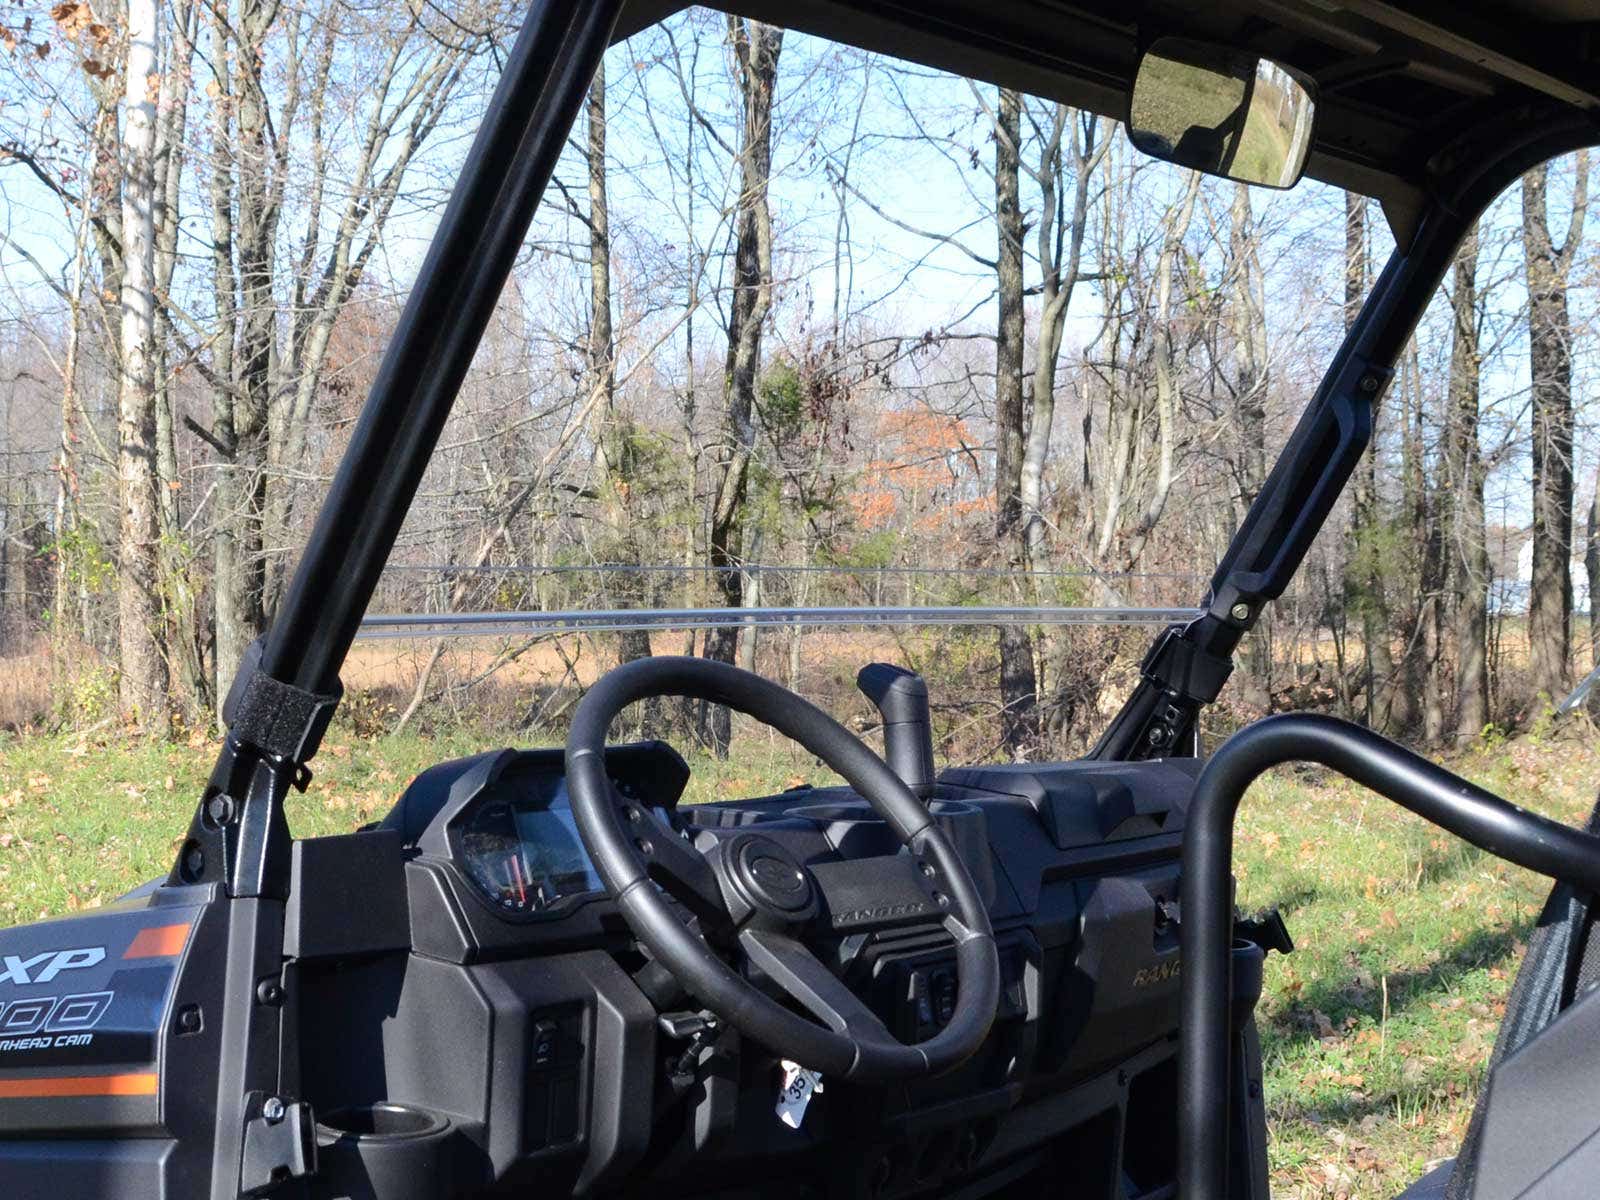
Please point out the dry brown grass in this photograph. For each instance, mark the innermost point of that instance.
(26, 681)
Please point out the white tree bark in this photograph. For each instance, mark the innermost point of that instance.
(144, 668)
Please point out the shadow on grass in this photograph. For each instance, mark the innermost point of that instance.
(1351, 1109)
(1338, 995)
(1299, 894)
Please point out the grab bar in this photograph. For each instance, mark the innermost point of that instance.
(1206, 928)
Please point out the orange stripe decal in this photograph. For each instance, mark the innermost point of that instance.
(83, 1085)
(159, 941)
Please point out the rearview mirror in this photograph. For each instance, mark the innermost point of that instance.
(1221, 111)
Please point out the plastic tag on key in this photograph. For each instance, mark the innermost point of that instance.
(799, 1085)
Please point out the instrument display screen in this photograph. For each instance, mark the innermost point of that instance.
(521, 846)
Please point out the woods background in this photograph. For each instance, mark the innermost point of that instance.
(795, 325)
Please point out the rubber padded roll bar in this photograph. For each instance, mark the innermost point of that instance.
(1206, 931)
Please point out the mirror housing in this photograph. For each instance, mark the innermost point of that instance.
(1223, 111)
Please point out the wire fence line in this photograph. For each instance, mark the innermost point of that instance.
(450, 600)
(453, 569)
(479, 624)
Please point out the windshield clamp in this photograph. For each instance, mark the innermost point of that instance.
(276, 718)
(1181, 667)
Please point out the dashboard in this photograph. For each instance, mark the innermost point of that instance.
(488, 980)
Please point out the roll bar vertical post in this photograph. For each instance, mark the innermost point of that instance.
(1206, 890)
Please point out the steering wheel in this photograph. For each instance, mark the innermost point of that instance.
(752, 897)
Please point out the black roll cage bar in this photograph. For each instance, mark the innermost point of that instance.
(288, 687)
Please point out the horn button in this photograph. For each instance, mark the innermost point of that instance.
(762, 879)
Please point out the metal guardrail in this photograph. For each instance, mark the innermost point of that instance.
(484, 624)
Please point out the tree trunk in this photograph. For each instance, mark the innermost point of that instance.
(1469, 545)
(609, 432)
(1550, 358)
(1591, 566)
(1060, 238)
(756, 47)
(1018, 682)
(229, 584)
(1386, 708)
(1247, 318)
(1166, 371)
(191, 687)
(143, 694)
(66, 629)
(1425, 509)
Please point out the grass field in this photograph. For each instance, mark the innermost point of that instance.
(1375, 1031)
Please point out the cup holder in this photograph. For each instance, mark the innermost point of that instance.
(382, 1122)
(384, 1151)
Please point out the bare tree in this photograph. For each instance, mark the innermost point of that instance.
(1059, 239)
(1468, 540)
(1550, 355)
(612, 434)
(267, 366)
(756, 48)
(143, 663)
(1019, 685)
(1387, 706)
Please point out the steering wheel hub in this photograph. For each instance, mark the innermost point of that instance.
(768, 879)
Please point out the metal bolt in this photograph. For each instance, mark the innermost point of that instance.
(1158, 735)
(270, 992)
(1369, 383)
(220, 810)
(189, 1019)
(1240, 611)
(273, 1110)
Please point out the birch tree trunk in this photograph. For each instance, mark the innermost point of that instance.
(143, 690)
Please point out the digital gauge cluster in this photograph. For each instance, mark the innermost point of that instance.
(524, 851)
(505, 822)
